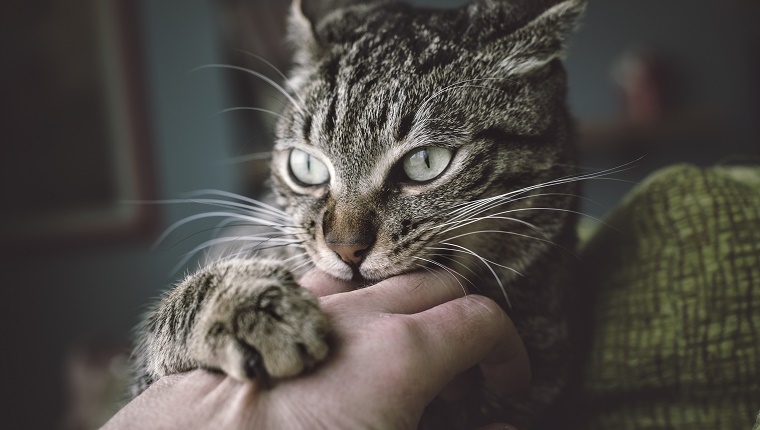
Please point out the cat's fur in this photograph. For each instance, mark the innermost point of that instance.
(371, 83)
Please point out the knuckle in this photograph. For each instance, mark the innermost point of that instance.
(490, 306)
(403, 331)
(486, 314)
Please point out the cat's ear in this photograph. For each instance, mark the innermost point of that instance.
(305, 19)
(301, 35)
(532, 46)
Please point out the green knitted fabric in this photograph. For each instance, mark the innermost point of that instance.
(677, 304)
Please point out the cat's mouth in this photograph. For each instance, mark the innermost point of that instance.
(360, 281)
(376, 266)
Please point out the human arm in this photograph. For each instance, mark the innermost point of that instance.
(395, 346)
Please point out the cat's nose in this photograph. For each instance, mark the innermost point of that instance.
(351, 253)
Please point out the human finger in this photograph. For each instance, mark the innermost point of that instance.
(462, 386)
(506, 369)
(409, 293)
(322, 284)
(461, 333)
(173, 393)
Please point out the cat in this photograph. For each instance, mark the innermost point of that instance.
(416, 139)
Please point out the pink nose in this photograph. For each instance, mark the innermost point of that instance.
(351, 253)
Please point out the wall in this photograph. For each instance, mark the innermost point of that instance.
(57, 299)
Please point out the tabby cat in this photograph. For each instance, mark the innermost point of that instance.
(416, 139)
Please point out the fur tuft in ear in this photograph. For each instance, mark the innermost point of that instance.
(541, 40)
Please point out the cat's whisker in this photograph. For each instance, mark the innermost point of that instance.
(242, 208)
(470, 221)
(452, 272)
(259, 239)
(261, 76)
(265, 244)
(221, 193)
(255, 109)
(225, 224)
(306, 261)
(296, 257)
(458, 248)
(281, 230)
(462, 255)
(204, 215)
(483, 205)
(599, 220)
(255, 250)
(277, 70)
(279, 227)
(571, 195)
(467, 221)
(473, 208)
(466, 218)
(300, 266)
(245, 251)
(429, 270)
(488, 265)
(248, 157)
(606, 172)
(452, 259)
(229, 253)
(512, 233)
(226, 255)
(465, 207)
(478, 208)
(434, 273)
(250, 252)
(223, 240)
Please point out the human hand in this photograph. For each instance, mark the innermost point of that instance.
(395, 346)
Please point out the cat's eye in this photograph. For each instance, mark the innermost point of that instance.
(426, 163)
(307, 169)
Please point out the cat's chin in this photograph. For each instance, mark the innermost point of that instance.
(378, 269)
(357, 276)
(350, 274)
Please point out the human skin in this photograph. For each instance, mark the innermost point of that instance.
(395, 346)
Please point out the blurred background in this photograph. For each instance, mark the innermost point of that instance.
(104, 107)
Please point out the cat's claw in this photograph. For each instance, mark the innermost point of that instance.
(264, 330)
(252, 364)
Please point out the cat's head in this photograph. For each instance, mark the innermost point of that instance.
(403, 115)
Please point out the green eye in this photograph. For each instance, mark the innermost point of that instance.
(307, 169)
(426, 163)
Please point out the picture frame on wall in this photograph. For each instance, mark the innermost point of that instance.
(77, 140)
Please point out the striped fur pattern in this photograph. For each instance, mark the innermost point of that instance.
(372, 83)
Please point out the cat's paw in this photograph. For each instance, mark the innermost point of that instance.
(257, 324)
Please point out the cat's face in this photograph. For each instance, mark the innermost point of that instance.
(402, 116)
